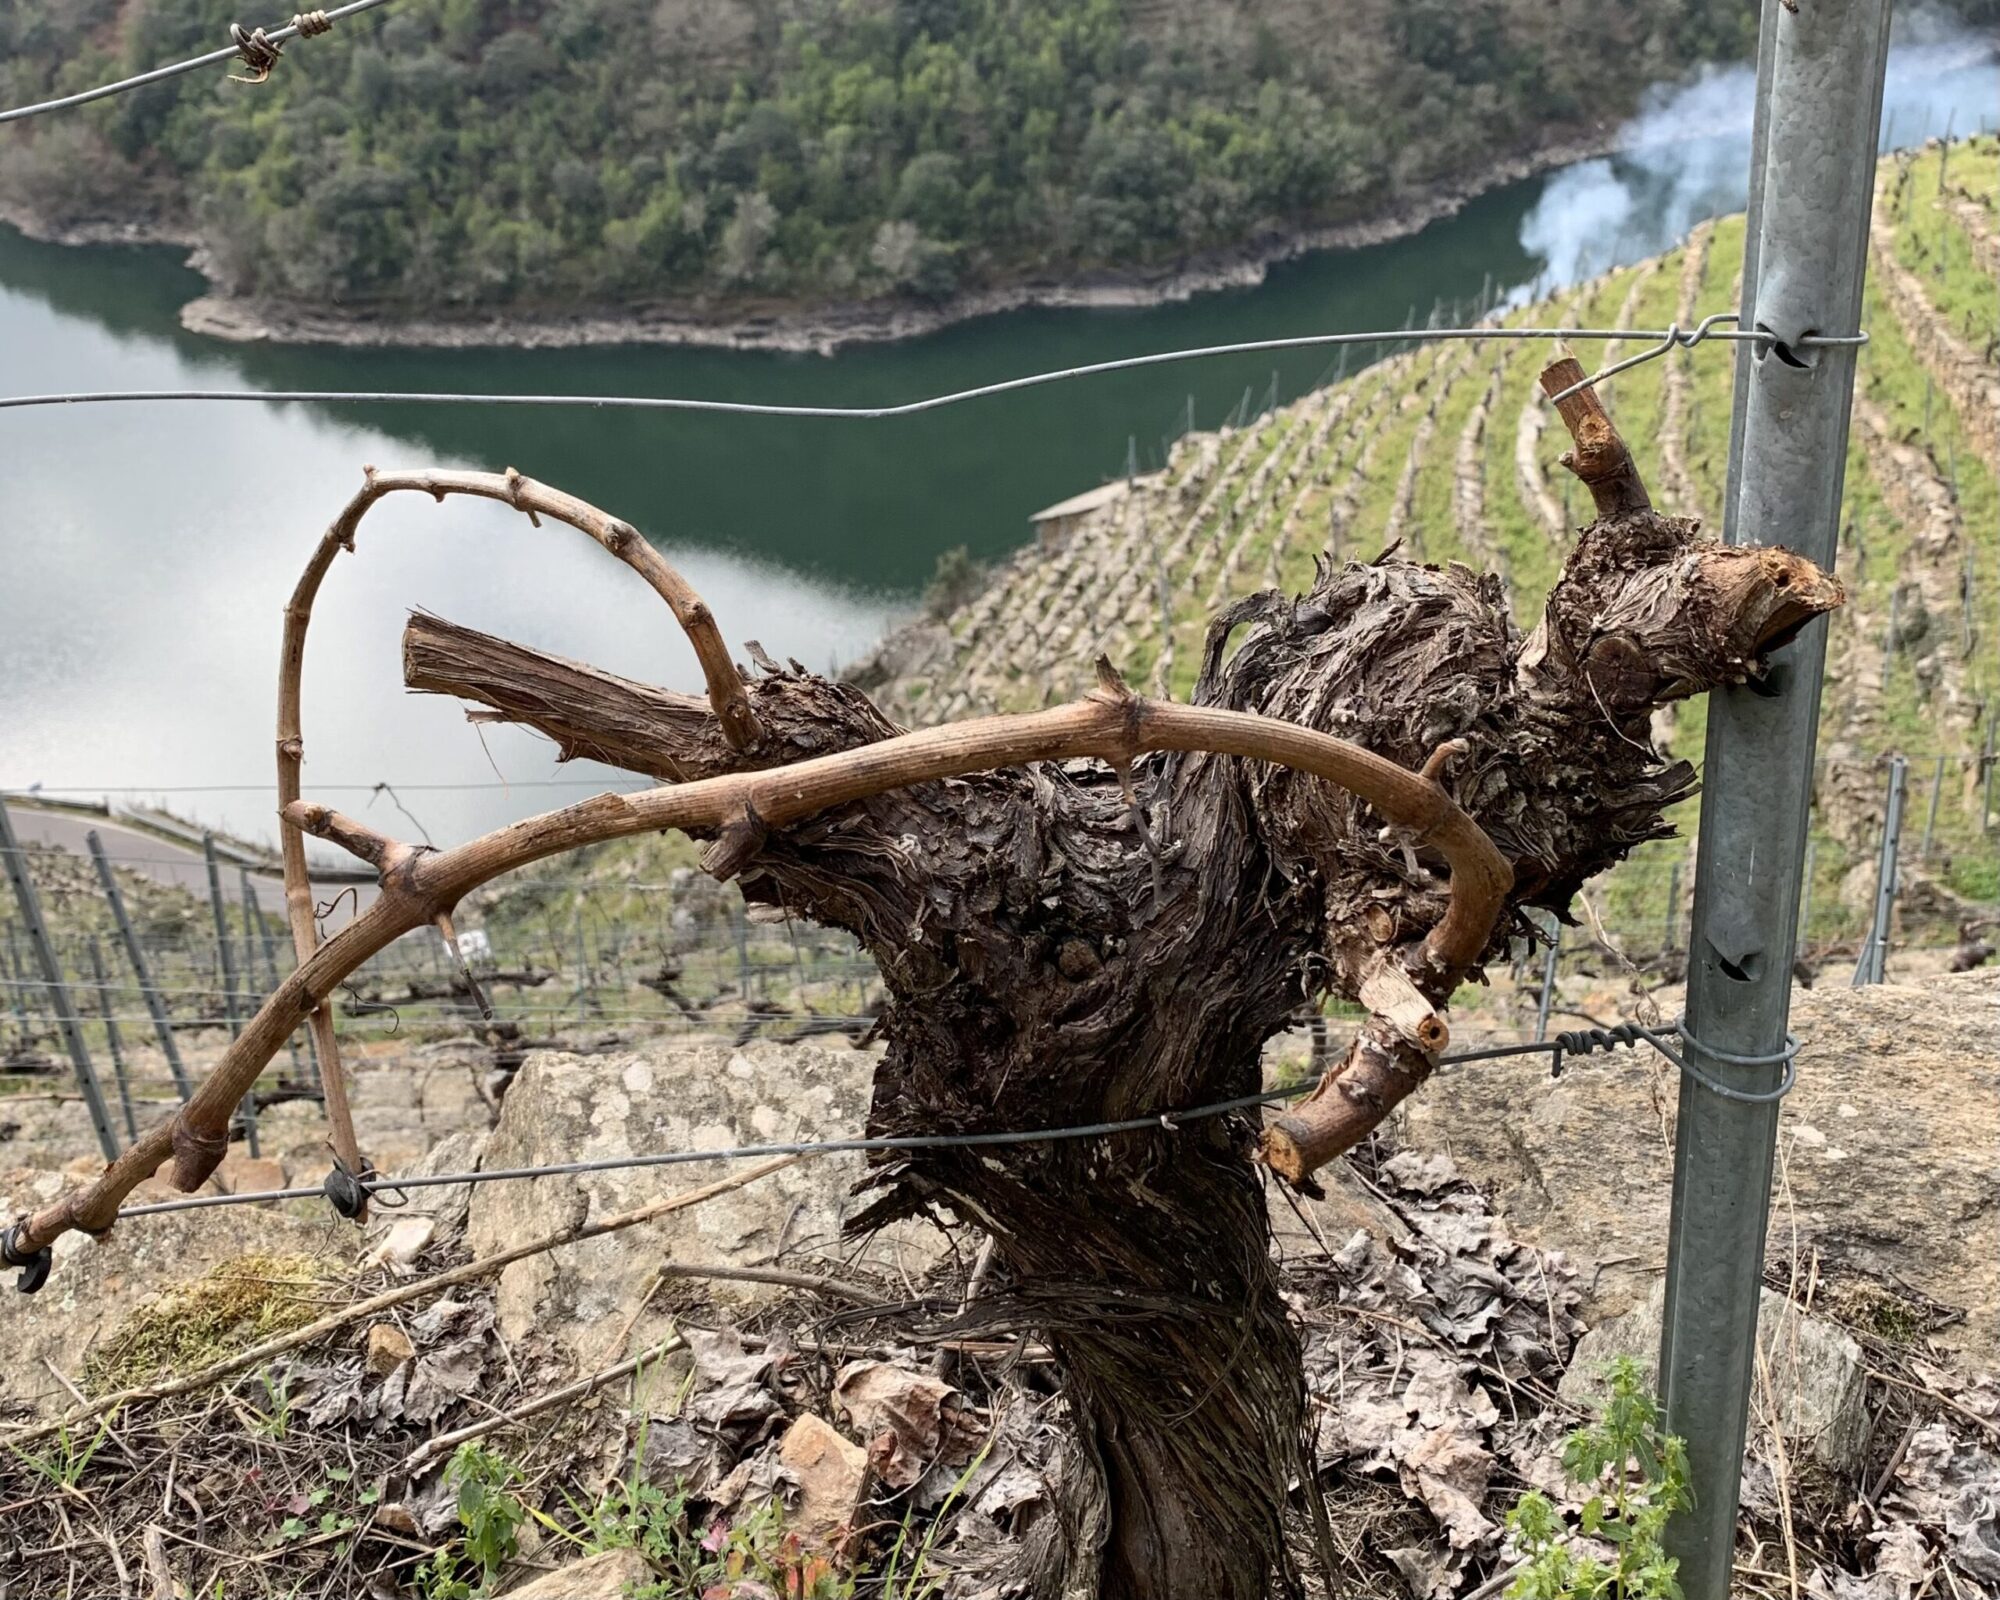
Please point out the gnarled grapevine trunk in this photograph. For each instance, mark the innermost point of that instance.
(1061, 949)
(1078, 941)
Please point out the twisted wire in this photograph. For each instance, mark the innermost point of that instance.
(1670, 338)
(255, 47)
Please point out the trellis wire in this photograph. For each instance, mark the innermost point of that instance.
(1582, 1041)
(229, 52)
(1670, 338)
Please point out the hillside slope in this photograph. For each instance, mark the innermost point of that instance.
(1450, 450)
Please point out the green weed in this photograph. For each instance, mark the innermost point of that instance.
(1637, 1477)
(66, 1461)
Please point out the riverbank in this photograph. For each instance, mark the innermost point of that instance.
(823, 330)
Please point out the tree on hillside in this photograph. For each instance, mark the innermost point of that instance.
(1101, 912)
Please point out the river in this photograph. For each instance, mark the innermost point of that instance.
(148, 549)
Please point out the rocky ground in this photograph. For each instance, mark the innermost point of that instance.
(732, 1393)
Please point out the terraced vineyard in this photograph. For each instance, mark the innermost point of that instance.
(1449, 450)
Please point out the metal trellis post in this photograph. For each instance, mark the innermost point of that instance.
(253, 919)
(1986, 775)
(58, 992)
(1931, 811)
(248, 1120)
(224, 950)
(163, 1028)
(1548, 996)
(1819, 94)
(112, 1042)
(1873, 965)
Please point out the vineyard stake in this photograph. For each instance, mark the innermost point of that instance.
(247, 1119)
(52, 977)
(104, 1010)
(1812, 172)
(135, 953)
(1875, 952)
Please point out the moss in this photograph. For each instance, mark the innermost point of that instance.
(1873, 1309)
(239, 1303)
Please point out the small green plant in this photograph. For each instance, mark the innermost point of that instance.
(491, 1515)
(275, 1421)
(302, 1524)
(691, 1562)
(1635, 1477)
(65, 1463)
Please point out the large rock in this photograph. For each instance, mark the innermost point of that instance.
(681, 1096)
(1812, 1376)
(1887, 1148)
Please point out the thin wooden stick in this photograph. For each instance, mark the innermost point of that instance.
(725, 691)
(333, 1321)
(778, 1277)
(1110, 724)
(424, 1453)
(1943, 1399)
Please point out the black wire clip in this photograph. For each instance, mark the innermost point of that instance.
(349, 1192)
(345, 1191)
(35, 1265)
(1587, 1041)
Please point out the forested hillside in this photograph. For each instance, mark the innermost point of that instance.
(444, 153)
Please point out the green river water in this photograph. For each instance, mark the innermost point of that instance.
(148, 549)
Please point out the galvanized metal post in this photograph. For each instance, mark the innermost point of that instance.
(1819, 94)
(1931, 812)
(1986, 781)
(253, 994)
(52, 979)
(247, 1119)
(1548, 998)
(1873, 964)
(106, 1014)
(1760, 147)
(253, 919)
(163, 1028)
(224, 952)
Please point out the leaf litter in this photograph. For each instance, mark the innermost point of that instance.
(1434, 1341)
